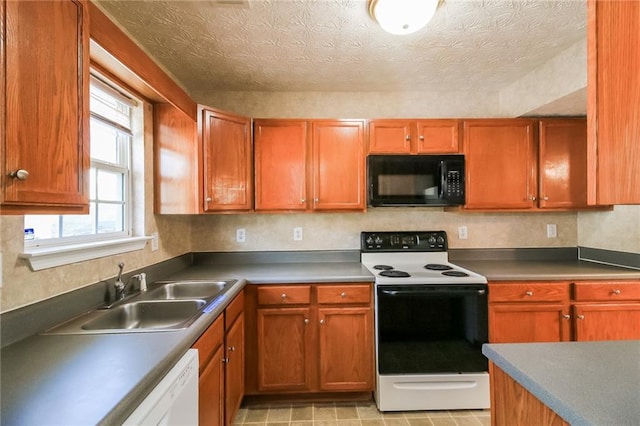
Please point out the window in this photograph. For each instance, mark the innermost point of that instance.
(110, 178)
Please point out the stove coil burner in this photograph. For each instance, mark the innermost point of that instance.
(437, 267)
(455, 274)
(383, 267)
(392, 273)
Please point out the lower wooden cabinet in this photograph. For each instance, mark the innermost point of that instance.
(310, 338)
(221, 357)
(563, 311)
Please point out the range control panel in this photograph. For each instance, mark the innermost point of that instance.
(403, 241)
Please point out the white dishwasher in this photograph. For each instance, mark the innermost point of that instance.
(174, 401)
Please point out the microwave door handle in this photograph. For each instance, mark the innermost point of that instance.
(443, 179)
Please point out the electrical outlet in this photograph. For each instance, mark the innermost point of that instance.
(552, 230)
(241, 235)
(154, 241)
(297, 234)
(462, 232)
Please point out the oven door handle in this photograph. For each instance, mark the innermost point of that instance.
(432, 290)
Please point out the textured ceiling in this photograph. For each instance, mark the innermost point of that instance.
(334, 45)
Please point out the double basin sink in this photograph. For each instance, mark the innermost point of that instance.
(171, 306)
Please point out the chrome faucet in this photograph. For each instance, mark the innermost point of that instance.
(119, 285)
(122, 288)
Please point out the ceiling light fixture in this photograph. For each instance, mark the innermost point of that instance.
(402, 16)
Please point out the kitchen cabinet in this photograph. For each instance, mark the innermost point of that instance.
(221, 357)
(311, 338)
(500, 164)
(544, 312)
(607, 310)
(309, 165)
(175, 153)
(44, 107)
(211, 387)
(529, 312)
(227, 161)
(521, 164)
(613, 102)
(398, 136)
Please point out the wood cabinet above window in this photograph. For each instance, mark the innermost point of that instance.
(44, 107)
(400, 136)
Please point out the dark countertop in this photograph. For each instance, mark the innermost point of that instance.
(543, 270)
(101, 378)
(586, 383)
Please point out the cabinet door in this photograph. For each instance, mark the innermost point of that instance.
(175, 167)
(613, 100)
(437, 136)
(346, 349)
(227, 162)
(284, 349)
(607, 321)
(211, 392)
(563, 163)
(338, 165)
(45, 106)
(390, 136)
(524, 322)
(280, 164)
(234, 369)
(500, 164)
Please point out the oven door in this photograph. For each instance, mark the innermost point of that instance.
(431, 329)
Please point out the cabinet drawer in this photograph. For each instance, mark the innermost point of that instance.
(344, 294)
(209, 341)
(529, 292)
(607, 291)
(233, 310)
(284, 295)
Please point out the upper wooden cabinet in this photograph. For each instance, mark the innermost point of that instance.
(44, 107)
(226, 161)
(500, 164)
(309, 165)
(562, 163)
(613, 99)
(399, 136)
(518, 164)
(176, 167)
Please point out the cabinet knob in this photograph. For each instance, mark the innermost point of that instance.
(532, 198)
(208, 200)
(232, 348)
(615, 291)
(283, 296)
(322, 321)
(19, 174)
(529, 293)
(225, 360)
(317, 199)
(566, 316)
(545, 198)
(421, 137)
(343, 294)
(580, 317)
(302, 200)
(306, 321)
(407, 138)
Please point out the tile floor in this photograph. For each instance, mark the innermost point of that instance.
(353, 414)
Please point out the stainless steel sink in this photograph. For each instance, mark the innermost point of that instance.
(189, 290)
(148, 315)
(173, 305)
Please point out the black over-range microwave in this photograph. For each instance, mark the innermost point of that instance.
(415, 180)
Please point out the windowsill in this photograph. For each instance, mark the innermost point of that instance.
(50, 257)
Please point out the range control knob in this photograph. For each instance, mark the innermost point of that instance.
(378, 240)
(431, 240)
(441, 240)
(369, 240)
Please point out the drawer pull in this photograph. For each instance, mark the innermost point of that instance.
(283, 296)
(529, 293)
(343, 294)
(615, 291)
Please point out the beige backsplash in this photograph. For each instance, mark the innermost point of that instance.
(324, 231)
